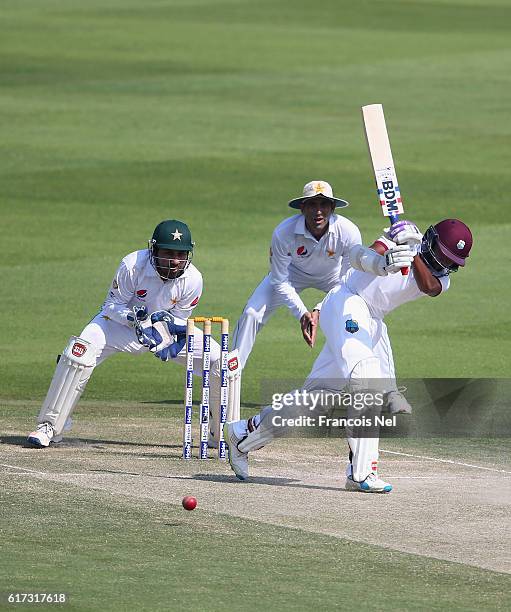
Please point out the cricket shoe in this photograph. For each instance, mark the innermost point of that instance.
(372, 484)
(44, 434)
(397, 404)
(237, 459)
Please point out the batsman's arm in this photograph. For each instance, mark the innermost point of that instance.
(381, 259)
(427, 283)
(351, 240)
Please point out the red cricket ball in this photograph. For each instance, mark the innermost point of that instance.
(189, 502)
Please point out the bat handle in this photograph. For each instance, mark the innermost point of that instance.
(394, 219)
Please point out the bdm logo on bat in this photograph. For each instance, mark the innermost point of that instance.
(390, 193)
(78, 349)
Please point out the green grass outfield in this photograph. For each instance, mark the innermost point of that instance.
(121, 555)
(117, 114)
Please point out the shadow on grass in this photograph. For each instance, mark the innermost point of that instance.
(77, 442)
(272, 481)
(230, 479)
(15, 441)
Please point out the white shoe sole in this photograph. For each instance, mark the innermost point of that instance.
(355, 486)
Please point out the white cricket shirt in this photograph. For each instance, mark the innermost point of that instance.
(298, 259)
(136, 283)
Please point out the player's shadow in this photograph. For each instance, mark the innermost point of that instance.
(228, 479)
(93, 441)
(74, 442)
(271, 481)
(14, 440)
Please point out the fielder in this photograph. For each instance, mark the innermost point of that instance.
(308, 250)
(352, 321)
(152, 294)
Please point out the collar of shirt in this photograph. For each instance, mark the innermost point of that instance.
(300, 227)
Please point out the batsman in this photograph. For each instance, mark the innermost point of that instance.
(308, 250)
(352, 320)
(153, 292)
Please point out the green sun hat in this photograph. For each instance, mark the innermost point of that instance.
(172, 234)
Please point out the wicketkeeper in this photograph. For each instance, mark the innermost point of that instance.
(352, 321)
(152, 294)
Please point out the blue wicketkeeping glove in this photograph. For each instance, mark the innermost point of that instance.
(172, 351)
(139, 318)
(165, 332)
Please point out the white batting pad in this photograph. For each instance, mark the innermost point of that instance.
(234, 394)
(71, 374)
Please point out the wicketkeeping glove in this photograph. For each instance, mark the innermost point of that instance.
(172, 351)
(141, 322)
(165, 333)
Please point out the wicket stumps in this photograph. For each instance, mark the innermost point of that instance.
(204, 405)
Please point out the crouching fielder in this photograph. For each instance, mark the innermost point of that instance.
(352, 320)
(152, 294)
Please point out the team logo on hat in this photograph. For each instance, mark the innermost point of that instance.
(351, 326)
(460, 244)
(176, 235)
(301, 251)
(141, 293)
(319, 188)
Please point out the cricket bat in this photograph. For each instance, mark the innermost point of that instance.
(383, 164)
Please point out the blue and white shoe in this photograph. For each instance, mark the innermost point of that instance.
(237, 459)
(372, 484)
(44, 434)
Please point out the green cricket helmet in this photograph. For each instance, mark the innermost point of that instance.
(176, 236)
(172, 234)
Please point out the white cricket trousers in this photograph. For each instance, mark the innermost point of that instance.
(347, 357)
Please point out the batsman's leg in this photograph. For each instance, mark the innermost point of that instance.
(351, 332)
(395, 401)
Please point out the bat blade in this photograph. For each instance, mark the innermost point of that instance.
(389, 194)
(380, 152)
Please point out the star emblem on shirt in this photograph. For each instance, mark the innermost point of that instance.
(173, 301)
(176, 235)
(330, 253)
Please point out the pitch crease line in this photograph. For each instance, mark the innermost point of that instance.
(470, 465)
(17, 467)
